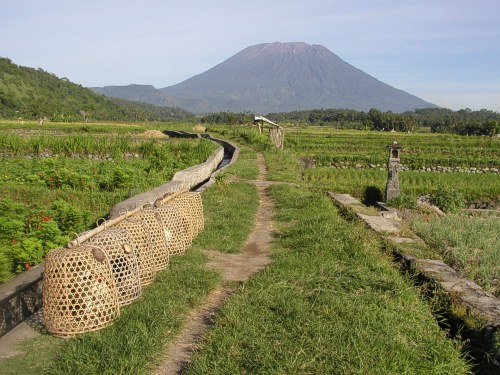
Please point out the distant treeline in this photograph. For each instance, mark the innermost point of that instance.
(28, 94)
(228, 118)
(436, 120)
(439, 120)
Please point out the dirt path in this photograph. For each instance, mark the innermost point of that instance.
(234, 267)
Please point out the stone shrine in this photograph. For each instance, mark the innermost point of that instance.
(393, 166)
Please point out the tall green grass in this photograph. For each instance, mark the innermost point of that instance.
(246, 167)
(92, 186)
(469, 244)
(96, 144)
(330, 303)
(413, 183)
(283, 165)
(361, 147)
(232, 219)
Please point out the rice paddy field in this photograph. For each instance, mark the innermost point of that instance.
(56, 180)
(349, 161)
(328, 146)
(353, 162)
(331, 302)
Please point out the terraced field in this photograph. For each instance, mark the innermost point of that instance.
(54, 181)
(331, 301)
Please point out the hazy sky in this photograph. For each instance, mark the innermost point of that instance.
(443, 51)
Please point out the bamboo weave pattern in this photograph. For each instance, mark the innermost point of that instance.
(116, 243)
(161, 254)
(176, 229)
(79, 291)
(140, 235)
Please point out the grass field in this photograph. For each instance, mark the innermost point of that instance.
(309, 152)
(330, 303)
(482, 187)
(469, 244)
(453, 243)
(328, 146)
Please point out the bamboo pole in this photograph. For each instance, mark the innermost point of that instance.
(81, 239)
(169, 197)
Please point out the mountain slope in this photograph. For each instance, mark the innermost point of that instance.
(278, 77)
(142, 93)
(34, 93)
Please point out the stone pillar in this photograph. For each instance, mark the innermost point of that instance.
(393, 166)
(277, 136)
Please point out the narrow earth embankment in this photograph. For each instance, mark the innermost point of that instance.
(235, 268)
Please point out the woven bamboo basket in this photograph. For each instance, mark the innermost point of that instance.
(141, 238)
(191, 207)
(117, 244)
(176, 229)
(79, 291)
(161, 254)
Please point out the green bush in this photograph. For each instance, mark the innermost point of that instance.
(27, 235)
(448, 199)
(119, 178)
(27, 252)
(69, 218)
(403, 201)
(5, 267)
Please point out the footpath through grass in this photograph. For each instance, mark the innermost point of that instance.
(330, 303)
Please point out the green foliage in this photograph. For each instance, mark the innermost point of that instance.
(27, 251)
(339, 118)
(403, 201)
(119, 178)
(246, 134)
(448, 199)
(221, 180)
(27, 93)
(329, 303)
(438, 120)
(389, 121)
(5, 266)
(259, 142)
(62, 195)
(70, 218)
(26, 235)
(469, 244)
(228, 118)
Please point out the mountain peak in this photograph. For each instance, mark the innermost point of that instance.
(281, 77)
